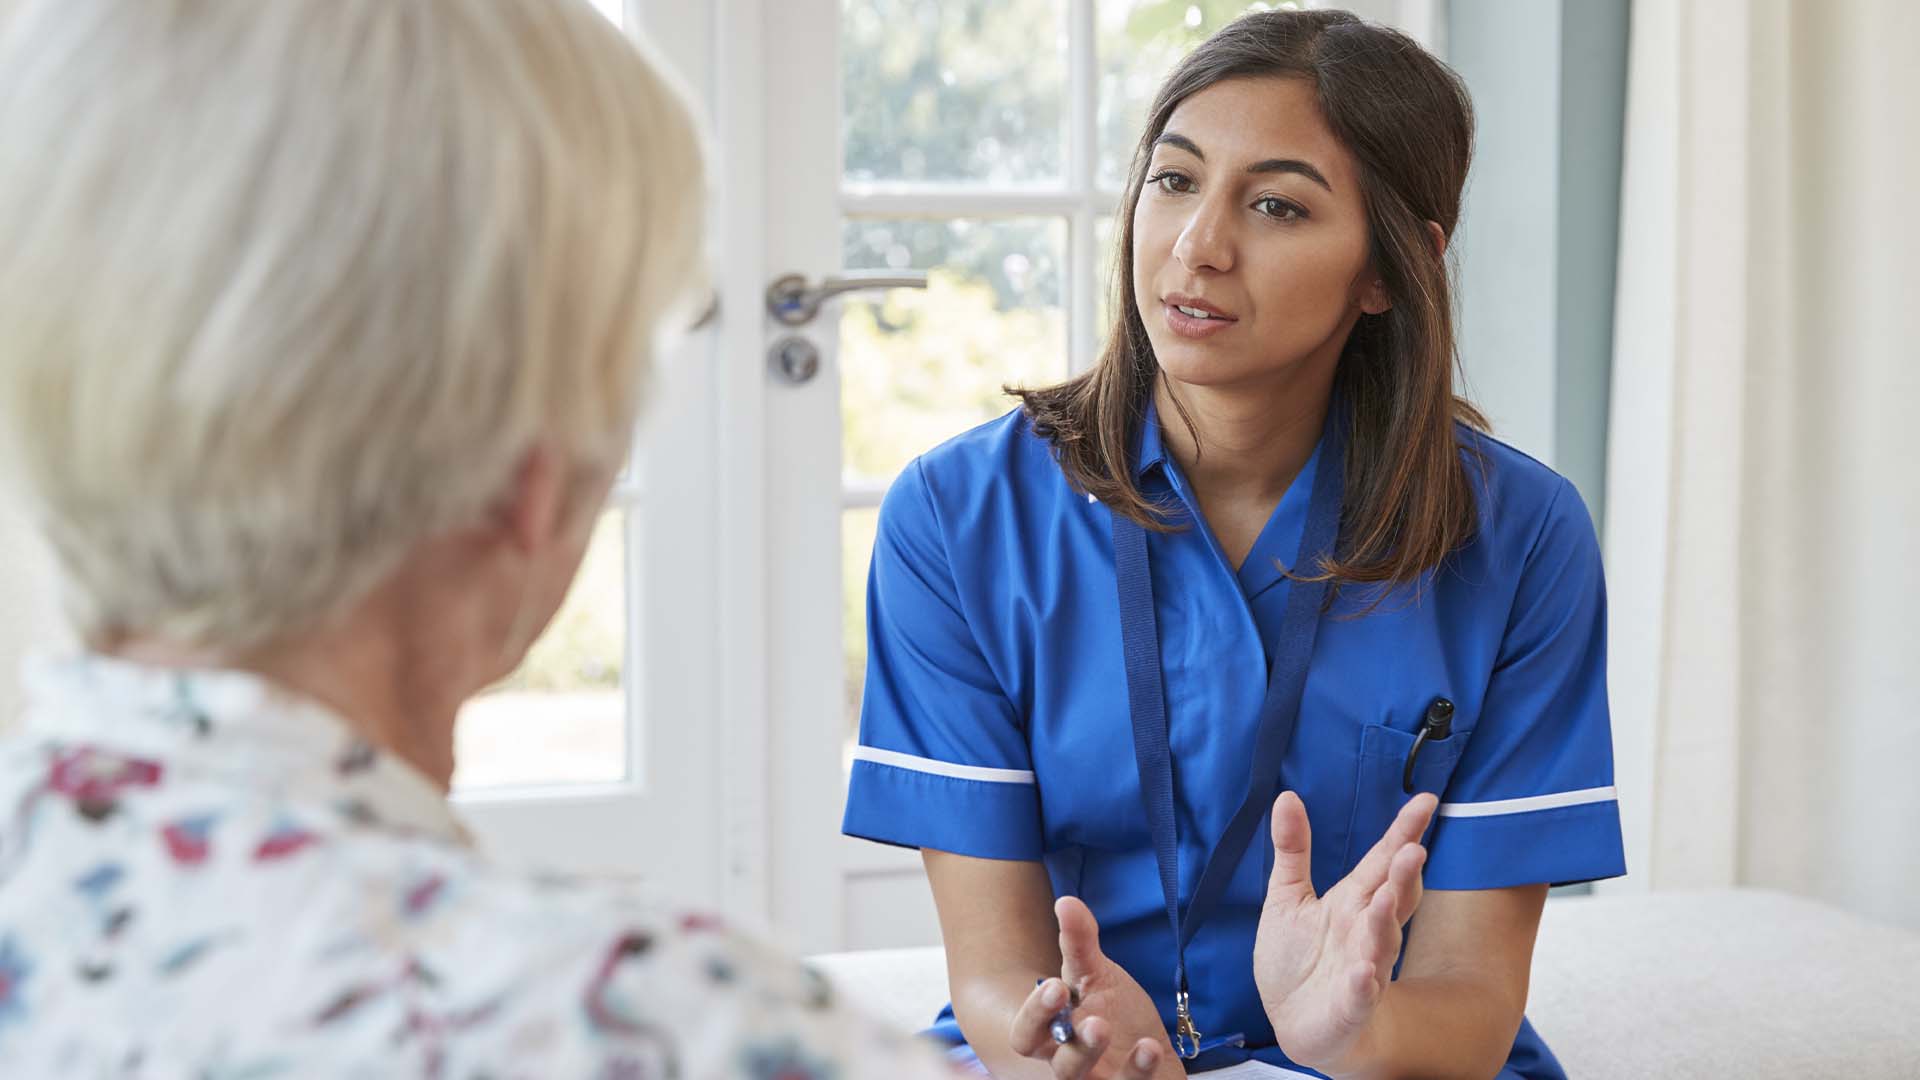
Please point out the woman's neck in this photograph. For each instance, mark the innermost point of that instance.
(361, 668)
(1246, 444)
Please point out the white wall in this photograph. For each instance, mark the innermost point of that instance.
(1508, 53)
(1537, 237)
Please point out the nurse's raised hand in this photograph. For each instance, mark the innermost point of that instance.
(1117, 1033)
(1323, 963)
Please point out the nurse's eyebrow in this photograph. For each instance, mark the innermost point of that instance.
(1271, 165)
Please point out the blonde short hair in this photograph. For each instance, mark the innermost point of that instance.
(286, 287)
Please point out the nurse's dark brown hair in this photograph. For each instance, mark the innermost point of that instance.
(1408, 122)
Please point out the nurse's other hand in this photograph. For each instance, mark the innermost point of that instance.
(1117, 1034)
(1323, 963)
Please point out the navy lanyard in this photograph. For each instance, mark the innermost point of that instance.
(1279, 713)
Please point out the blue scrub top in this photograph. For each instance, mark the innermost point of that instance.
(996, 723)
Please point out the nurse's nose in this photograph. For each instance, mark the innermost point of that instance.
(1206, 241)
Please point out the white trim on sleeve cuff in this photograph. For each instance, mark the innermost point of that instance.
(1528, 804)
(942, 768)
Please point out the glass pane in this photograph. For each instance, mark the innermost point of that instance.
(945, 91)
(918, 366)
(561, 718)
(857, 528)
(1139, 43)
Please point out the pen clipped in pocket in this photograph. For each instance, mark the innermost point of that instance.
(1394, 766)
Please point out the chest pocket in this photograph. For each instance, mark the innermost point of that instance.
(1379, 791)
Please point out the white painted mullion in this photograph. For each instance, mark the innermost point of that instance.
(627, 497)
(1082, 154)
(628, 494)
(864, 494)
(943, 201)
(801, 439)
(748, 807)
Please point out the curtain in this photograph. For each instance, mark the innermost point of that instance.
(1763, 490)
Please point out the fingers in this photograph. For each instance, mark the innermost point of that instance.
(1080, 954)
(1380, 935)
(1292, 879)
(1390, 906)
(1363, 993)
(1372, 948)
(1077, 1058)
(1403, 881)
(1029, 1035)
(1407, 828)
(1142, 1061)
(1374, 943)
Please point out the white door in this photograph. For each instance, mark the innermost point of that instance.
(589, 758)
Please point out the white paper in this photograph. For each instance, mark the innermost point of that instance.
(1253, 1070)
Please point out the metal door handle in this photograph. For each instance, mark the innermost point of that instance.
(793, 302)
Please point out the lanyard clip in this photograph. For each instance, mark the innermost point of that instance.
(1186, 1037)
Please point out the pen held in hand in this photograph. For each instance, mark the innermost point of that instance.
(1061, 1026)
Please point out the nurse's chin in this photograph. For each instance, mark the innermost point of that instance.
(1196, 364)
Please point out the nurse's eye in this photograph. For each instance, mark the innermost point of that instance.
(1279, 209)
(1171, 182)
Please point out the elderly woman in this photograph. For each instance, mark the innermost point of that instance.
(323, 327)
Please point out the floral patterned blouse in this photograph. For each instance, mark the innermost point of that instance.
(202, 875)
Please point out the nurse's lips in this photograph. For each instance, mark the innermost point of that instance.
(1212, 319)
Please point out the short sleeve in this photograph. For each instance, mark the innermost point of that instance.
(1532, 800)
(943, 760)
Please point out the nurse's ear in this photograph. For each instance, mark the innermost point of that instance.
(1374, 299)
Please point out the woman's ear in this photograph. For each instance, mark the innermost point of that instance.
(1374, 299)
(532, 512)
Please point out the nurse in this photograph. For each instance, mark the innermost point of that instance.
(1250, 645)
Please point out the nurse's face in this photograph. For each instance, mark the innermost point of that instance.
(1251, 213)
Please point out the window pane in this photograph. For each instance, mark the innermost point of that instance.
(953, 90)
(561, 718)
(1139, 43)
(857, 529)
(918, 366)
